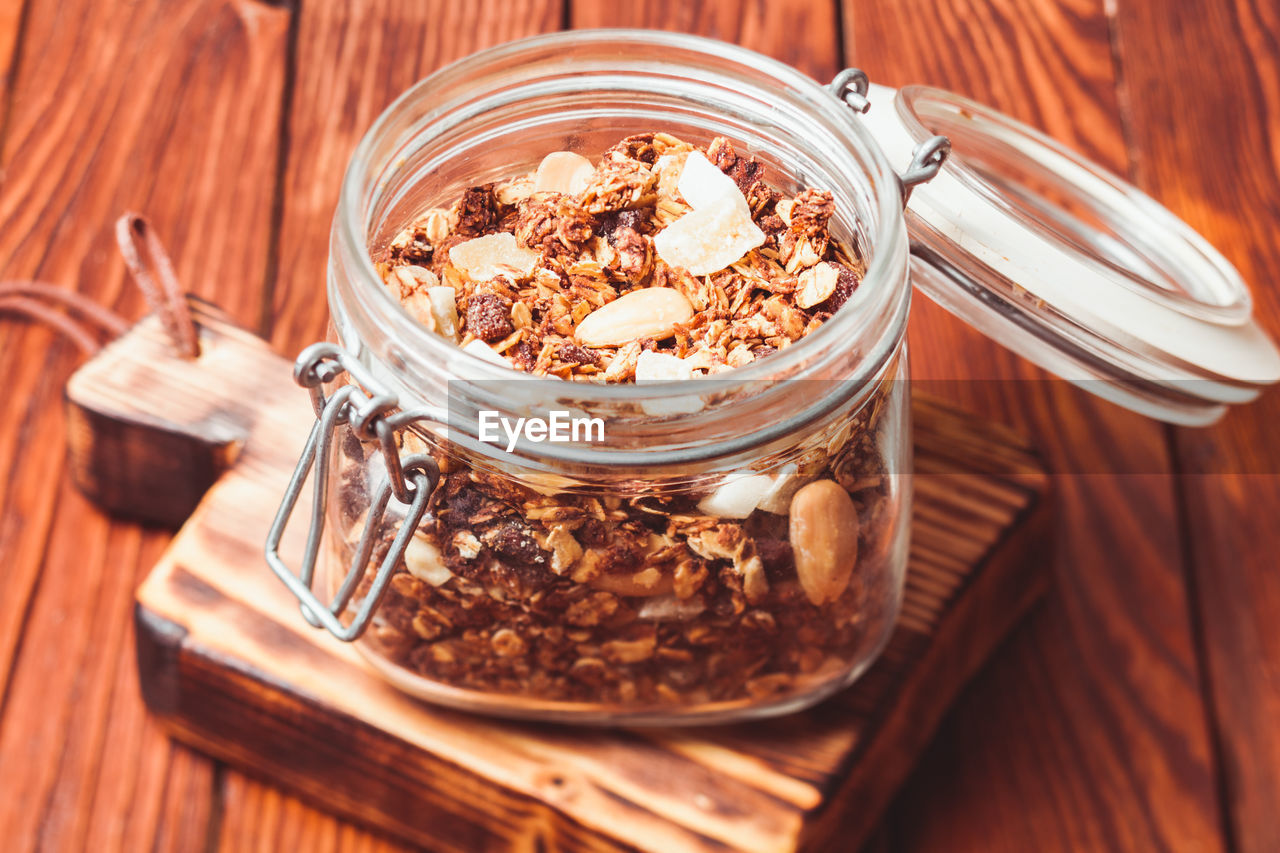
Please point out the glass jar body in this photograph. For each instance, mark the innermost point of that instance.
(621, 599)
(629, 579)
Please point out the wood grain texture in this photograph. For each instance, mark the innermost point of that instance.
(147, 451)
(1207, 148)
(271, 820)
(1090, 732)
(227, 663)
(803, 33)
(121, 104)
(352, 60)
(10, 30)
(158, 107)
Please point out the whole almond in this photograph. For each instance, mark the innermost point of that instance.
(816, 284)
(563, 172)
(650, 312)
(824, 539)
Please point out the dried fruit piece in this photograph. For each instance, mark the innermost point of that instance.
(709, 239)
(654, 366)
(491, 256)
(651, 312)
(824, 539)
(489, 316)
(816, 284)
(736, 497)
(563, 172)
(718, 231)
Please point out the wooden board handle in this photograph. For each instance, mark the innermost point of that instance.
(148, 433)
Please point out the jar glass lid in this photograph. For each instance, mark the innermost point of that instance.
(1070, 266)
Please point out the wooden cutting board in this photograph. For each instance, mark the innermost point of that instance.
(228, 664)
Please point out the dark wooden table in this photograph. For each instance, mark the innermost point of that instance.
(1139, 709)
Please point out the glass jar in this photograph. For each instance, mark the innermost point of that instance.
(720, 549)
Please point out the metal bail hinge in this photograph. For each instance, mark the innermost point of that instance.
(851, 86)
(371, 416)
(926, 160)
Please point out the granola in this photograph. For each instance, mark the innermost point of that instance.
(660, 261)
(529, 266)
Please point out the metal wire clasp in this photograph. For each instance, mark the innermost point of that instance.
(410, 481)
(851, 86)
(926, 160)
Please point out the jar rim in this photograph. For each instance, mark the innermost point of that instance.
(886, 265)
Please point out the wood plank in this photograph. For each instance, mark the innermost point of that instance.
(351, 60)
(802, 33)
(229, 666)
(10, 28)
(159, 107)
(1202, 94)
(1089, 732)
(272, 820)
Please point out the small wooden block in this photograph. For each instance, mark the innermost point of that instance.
(148, 433)
(228, 664)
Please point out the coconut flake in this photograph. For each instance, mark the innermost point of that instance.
(444, 310)
(661, 367)
(481, 350)
(718, 231)
(425, 562)
(786, 482)
(737, 497)
(709, 239)
(704, 185)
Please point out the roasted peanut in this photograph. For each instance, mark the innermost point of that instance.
(824, 539)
